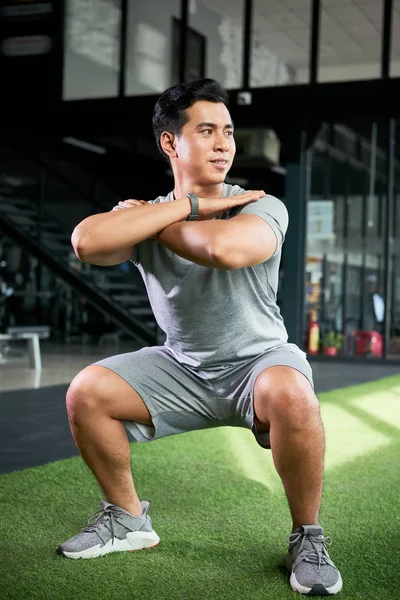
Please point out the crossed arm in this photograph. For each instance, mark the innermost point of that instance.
(243, 241)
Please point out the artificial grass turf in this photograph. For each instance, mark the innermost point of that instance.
(219, 508)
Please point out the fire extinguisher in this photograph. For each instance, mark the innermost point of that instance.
(313, 334)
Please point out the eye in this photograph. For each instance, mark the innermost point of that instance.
(230, 132)
(207, 131)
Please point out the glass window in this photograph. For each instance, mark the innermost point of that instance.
(346, 206)
(150, 46)
(220, 23)
(394, 348)
(91, 58)
(395, 50)
(353, 292)
(350, 40)
(394, 345)
(397, 207)
(280, 42)
(196, 54)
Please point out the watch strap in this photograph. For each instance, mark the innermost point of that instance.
(194, 200)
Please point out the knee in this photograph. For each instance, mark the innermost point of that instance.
(84, 393)
(296, 406)
(292, 402)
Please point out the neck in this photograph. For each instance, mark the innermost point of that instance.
(202, 191)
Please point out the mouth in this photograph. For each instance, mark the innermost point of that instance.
(220, 163)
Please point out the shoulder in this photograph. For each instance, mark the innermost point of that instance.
(268, 207)
(232, 190)
(271, 203)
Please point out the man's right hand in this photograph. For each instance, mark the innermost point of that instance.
(212, 207)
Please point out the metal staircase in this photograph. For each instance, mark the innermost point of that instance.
(31, 216)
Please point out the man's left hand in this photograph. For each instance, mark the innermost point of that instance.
(129, 204)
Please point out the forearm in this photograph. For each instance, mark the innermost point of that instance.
(119, 231)
(196, 241)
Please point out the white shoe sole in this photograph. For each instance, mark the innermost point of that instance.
(297, 587)
(135, 540)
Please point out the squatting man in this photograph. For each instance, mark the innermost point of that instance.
(209, 255)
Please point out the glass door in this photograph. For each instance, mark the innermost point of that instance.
(345, 250)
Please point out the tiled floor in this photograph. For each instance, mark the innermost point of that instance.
(60, 363)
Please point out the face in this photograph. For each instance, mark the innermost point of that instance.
(205, 149)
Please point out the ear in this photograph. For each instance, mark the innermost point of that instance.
(167, 142)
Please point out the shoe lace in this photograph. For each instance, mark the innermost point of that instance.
(104, 516)
(313, 549)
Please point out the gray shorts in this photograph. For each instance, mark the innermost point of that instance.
(181, 398)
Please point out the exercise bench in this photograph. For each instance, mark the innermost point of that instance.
(32, 334)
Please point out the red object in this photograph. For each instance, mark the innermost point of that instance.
(313, 337)
(330, 351)
(369, 342)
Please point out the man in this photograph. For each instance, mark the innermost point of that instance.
(209, 255)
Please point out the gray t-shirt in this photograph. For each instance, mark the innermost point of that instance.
(214, 317)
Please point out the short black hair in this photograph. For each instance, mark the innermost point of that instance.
(170, 110)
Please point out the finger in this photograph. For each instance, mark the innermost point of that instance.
(129, 203)
(253, 193)
(126, 204)
(255, 196)
(249, 196)
(257, 193)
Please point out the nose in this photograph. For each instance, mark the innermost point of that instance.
(221, 142)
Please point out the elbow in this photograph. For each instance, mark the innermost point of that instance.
(79, 244)
(222, 257)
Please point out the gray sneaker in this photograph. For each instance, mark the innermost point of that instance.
(312, 572)
(111, 529)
